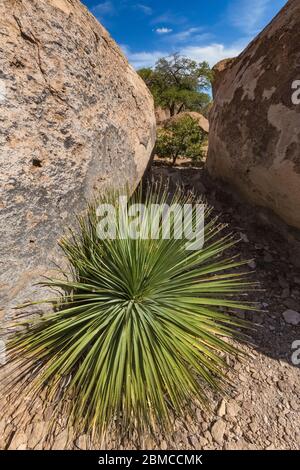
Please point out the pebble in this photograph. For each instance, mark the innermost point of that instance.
(244, 237)
(81, 442)
(163, 445)
(36, 434)
(252, 264)
(61, 441)
(271, 447)
(222, 408)
(232, 409)
(291, 317)
(19, 440)
(218, 430)
(243, 378)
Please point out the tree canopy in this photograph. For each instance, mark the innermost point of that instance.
(182, 138)
(179, 83)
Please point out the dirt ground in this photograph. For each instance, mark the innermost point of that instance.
(263, 411)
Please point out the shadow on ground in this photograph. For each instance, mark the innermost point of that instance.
(278, 276)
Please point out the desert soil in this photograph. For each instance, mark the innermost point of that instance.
(263, 409)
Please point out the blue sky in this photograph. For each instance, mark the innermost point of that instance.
(200, 29)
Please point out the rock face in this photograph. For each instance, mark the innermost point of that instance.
(75, 118)
(254, 139)
(161, 115)
(218, 70)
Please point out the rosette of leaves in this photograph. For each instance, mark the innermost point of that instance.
(140, 328)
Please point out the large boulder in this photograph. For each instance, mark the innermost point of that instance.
(161, 114)
(75, 118)
(254, 141)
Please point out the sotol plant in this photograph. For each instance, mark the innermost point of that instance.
(141, 328)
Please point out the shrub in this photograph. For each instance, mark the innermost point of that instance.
(182, 138)
(140, 329)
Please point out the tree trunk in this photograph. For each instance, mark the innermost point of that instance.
(181, 107)
(172, 109)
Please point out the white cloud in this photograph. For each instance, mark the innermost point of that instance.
(194, 35)
(142, 59)
(163, 30)
(211, 53)
(186, 34)
(169, 17)
(144, 8)
(104, 8)
(251, 16)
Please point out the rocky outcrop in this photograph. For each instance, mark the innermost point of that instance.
(161, 115)
(254, 141)
(201, 120)
(75, 118)
(218, 70)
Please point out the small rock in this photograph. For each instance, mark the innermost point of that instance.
(19, 440)
(222, 409)
(61, 441)
(291, 317)
(252, 264)
(218, 430)
(254, 427)
(204, 426)
(148, 443)
(282, 421)
(81, 442)
(202, 442)
(22, 447)
(239, 397)
(243, 378)
(163, 445)
(283, 386)
(207, 436)
(199, 414)
(294, 405)
(232, 408)
(37, 434)
(270, 447)
(194, 442)
(244, 237)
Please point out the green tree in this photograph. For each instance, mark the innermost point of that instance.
(180, 138)
(178, 83)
